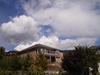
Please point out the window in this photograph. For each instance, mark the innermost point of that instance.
(37, 50)
(43, 50)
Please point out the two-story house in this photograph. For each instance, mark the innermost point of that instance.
(54, 56)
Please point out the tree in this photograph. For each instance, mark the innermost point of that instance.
(5, 63)
(35, 70)
(79, 61)
(27, 62)
(15, 63)
(41, 61)
(2, 52)
(72, 63)
(91, 59)
(39, 65)
(10, 63)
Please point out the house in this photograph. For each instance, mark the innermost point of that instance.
(54, 56)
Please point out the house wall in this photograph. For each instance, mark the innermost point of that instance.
(59, 59)
(32, 53)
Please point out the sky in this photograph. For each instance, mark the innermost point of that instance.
(61, 24)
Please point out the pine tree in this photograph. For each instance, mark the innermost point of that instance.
(27, 62)
(41, 61)
(39, 65)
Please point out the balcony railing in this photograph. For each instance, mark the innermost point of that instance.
(50, 52)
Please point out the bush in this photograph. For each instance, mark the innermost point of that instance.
(5, 72)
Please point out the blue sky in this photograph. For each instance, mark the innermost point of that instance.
(7, 10)
(62, 24)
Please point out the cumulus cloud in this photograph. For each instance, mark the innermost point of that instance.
(22, 29)
(63, 18)
(79, 18)
(55, 42)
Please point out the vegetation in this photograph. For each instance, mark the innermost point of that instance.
(41, 61)
(79, 61)
(2, 52)
(39, 65)
(14, 64)
(27, 62)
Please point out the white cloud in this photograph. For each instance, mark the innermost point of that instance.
(68, 18)
(22, 29)
(53, 41)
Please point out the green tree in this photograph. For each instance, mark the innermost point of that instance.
(79, 61)
(27, 62)
(10, 63)
(5, 63)
(15, 63)
(39, 65)
(2, 52)
(72, 64)
(41, 61)
(91, 59)
(35, 70)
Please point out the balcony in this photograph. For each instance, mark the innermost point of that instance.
(51, 53)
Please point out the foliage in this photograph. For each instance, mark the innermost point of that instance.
(41, 61)
(5, 63)
(2, 52)
(72, 64)
(10, 63)
(5, 72)
(79, 61)
(34, 70)
(91, 59)
(15, 63)
(39, 65)
(27, 62)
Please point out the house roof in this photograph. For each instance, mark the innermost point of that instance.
(38, 45)
(11, 52)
